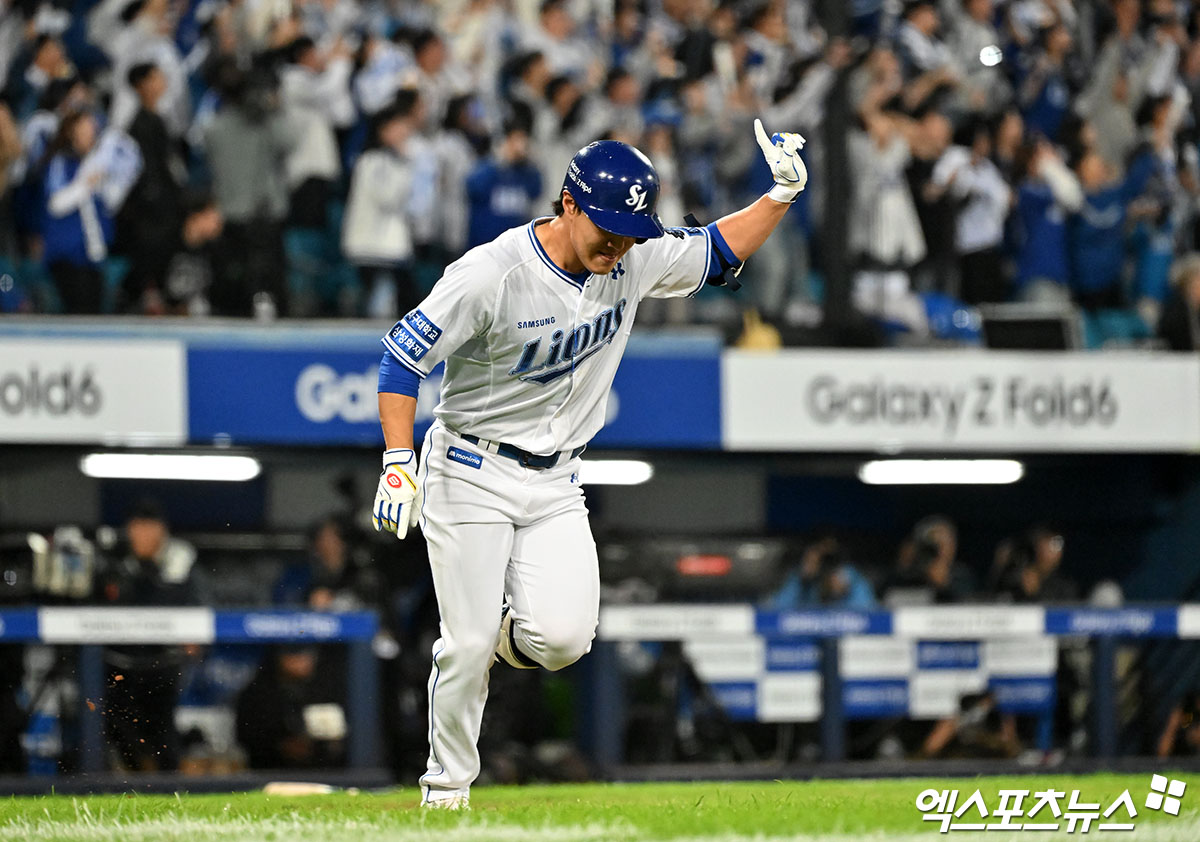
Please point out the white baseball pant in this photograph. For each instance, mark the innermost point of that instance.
(497, 528)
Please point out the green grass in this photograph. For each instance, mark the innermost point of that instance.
(769, 810)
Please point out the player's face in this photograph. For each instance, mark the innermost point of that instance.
(598, 250)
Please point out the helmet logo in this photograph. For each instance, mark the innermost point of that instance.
(637, 197)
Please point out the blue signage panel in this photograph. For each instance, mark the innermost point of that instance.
(822, 622)
(1118, 622)
(665, 401)
(793, 656)
(284, 396)
(292, 627)
(869, 698)
(1019, 694)
(327, 396)
(947, 655)
(19, 624)
(738, 698)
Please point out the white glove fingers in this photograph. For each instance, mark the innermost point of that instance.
(764, 142)
(402, 520)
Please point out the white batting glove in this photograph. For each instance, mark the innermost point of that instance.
(398, 499)
(782, 151)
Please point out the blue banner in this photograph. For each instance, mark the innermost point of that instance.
(947, 655)
(663, 396)
(19, 624)
(1023, 695)
(292, 627)
(793, 656)
(822, 622)
(284, 396)
(869, 698)
(738, 698)
(1119, 622)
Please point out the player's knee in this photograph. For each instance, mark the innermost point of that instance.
(564, 646)
(473, 648)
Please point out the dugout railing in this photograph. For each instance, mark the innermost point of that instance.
(91, 629)
(829, 667)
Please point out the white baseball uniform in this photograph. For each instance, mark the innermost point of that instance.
(530, 353)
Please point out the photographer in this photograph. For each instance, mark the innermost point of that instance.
(927, 567)
(824, 577)
(1026, 568)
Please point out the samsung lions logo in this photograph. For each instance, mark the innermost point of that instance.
(637, 197)
(568, 348)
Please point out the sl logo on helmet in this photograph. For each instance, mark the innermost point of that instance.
(637, 197)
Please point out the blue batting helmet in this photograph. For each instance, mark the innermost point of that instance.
(617, 187)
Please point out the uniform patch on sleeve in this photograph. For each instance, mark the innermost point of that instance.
(422, 326)
(407, 344)
(465, 456)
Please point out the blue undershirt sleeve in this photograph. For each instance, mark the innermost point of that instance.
(396, 378)
(723, 257)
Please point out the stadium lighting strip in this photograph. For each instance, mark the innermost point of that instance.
(224, 468)
(941, 472)
(615, 472)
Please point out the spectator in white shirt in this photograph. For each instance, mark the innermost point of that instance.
(377, 229)
(983, 197)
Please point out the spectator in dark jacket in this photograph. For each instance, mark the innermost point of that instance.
(149, 222)
(143, 681)
(287, 718)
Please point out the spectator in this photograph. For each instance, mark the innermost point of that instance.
(149, 222)
(315, 94)
(437, 77)
(1046, 194)
(977, 54)
(463, 139)
(1129, 68)
(32, 73)
(1181, 735)
(376, 233)
(917, 43)
(1027, 568)
(1045, 93)
(329, 579)
(288, 718)
(190, 273)
(1179, 325)
(149, 38)
(966, 173)
(565, 51)
(824, 577)
(887, 239)
(248, 143)
(143, 680)
(78, 225)
(927, 567)
(1097, 233)
(502, 189)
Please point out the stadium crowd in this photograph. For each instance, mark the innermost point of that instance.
(330, 157)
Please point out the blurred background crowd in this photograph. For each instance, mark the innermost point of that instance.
(330, 157)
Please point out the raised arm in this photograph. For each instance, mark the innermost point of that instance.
(744, 231)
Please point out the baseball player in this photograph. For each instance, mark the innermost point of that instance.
(531, 327)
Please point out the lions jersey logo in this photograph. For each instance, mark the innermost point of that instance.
(637, 197)
(568, 349)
